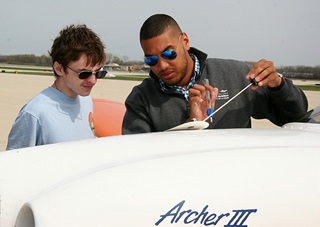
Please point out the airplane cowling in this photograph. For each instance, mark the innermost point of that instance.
(236, 177)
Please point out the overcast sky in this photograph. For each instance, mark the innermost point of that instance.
(284, 31)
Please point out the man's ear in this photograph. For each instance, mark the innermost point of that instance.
(185, 40)
(57, 67)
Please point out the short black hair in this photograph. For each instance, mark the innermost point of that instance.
(156, 24)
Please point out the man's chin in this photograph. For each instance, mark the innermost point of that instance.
(171, 82)
(84, 94)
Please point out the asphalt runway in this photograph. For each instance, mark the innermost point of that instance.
(17, 89)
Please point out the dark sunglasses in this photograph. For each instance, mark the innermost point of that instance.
(101, 73)
(168, 54)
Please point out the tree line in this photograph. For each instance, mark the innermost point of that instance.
(301, 72)
(44, 60)
(294, 72)
(26, 59)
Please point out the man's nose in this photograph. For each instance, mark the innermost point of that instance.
(92, 79)
(162, 64)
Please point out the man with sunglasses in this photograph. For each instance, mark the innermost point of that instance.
(175, 92)
(64, 111)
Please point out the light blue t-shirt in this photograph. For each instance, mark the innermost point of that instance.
(51, 117)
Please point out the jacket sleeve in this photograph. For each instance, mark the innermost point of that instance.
(136, 119)
(25, 132)
(288, 104)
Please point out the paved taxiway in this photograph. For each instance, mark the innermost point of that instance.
(17, 89)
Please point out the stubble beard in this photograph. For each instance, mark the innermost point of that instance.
(183, 75)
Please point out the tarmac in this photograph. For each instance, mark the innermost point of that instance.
(18, 89)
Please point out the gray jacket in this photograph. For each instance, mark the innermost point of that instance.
(149, 109)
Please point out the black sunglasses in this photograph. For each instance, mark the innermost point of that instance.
(100, 73)
(168, 54)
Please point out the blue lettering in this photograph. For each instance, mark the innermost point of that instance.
(170, 213)
(209, 219)
(202, 214)
(181, 214)
(193, 217)
(239, 221)
(192, 213)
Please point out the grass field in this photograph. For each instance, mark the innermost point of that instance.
(310, 87)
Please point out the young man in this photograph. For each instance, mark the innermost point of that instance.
(63, 112)
(175, 93)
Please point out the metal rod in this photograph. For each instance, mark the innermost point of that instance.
(214, 112)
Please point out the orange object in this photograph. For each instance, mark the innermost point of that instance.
(108, 116)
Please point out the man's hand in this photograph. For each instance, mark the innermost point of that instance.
(198, 102)
(264, 73)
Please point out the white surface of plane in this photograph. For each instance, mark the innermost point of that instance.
(225, 178)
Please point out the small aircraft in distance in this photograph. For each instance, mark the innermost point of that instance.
(224, 177)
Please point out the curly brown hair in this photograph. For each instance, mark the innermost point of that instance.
(75, 40)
